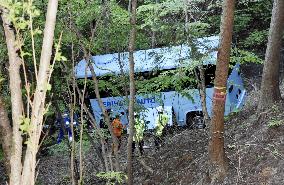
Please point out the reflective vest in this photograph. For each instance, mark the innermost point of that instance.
(161, 122)
(139, 127)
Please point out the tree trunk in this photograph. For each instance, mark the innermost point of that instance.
(5, 135)
(132, 91)
(28, 176)
(217, 155)
(121, 65)
(202, 91)
(270, 91)
(73, 169)
(106, 22)
(16, 100)
(201, 77)
(101, 154)
(114, 138)
(153, 39)
(89, 62)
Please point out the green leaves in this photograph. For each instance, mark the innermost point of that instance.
(197, 29)
(48, 87)
(59, 57)
(117, 177)
(244, 56)
(25, 125)
(273, 123)
(256, 38)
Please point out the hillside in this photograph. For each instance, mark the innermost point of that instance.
(254, 146)
(254, 149)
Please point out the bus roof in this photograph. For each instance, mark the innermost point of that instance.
(151, 59)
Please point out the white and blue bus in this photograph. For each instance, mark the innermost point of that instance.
(180, 108)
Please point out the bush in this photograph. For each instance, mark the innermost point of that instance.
(112, 177)
(275, 123)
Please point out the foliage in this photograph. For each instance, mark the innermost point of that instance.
(275, 123)
(24, 15)
(251, 23)
(174, 20)
(1, 154)
(112, 177)
(3, 48)
(166, 18)
(256, 38)
(59, 149)
(64, 147)
(243, 57)
(25, 126)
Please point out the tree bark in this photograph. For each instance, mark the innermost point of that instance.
(270, 91)
(217, 155)
(16, 100)
(202, 92)
(73, 169)
(132, 91)
(5, 135)
(89, 62)
(28, 176)
(101, 154)
(106, 22)
(107, 118)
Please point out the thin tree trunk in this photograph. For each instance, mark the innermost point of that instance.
(153, 36)
(129, 5)
(106, 20)
(121, 65)
(89, 62)
(201, 77)
(202, 92)
(16, 100)
(101, 154)
(82, 99)
(107, 118)
(132, 91)
(74, 176)
(28, 176)
(270, 91)
(153, 39)
(217, 155)
(73, 172)
(5, 135)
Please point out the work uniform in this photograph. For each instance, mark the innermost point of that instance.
(117, 130)
(139, 128)
(67, 127)
(161, 122)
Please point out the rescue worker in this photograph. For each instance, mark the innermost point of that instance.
(161, 122)
(66, 126)
(139, 128)
(117, 130)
